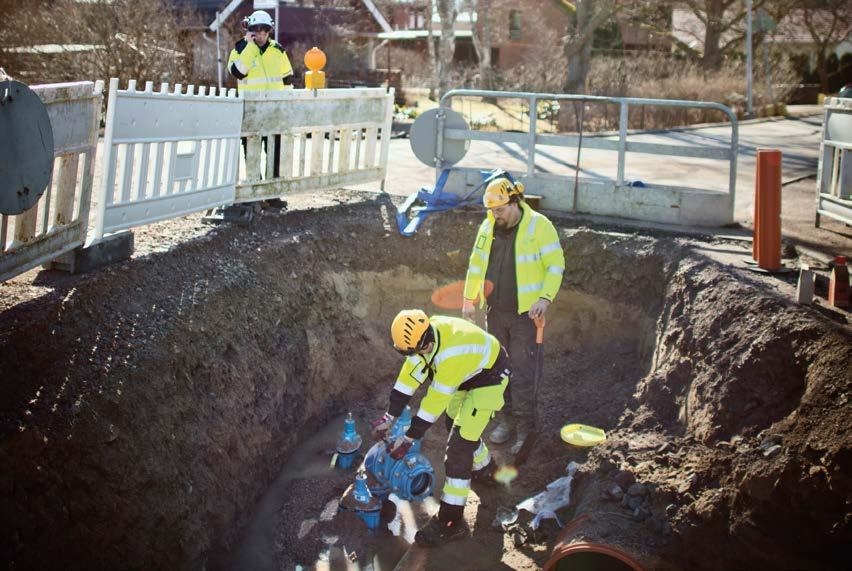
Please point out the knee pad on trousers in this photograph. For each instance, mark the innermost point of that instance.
(459, 461)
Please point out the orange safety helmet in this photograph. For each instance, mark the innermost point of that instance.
(500, 191)
(409, 331)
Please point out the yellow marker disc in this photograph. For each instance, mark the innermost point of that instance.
(582, 435)
(505, 474)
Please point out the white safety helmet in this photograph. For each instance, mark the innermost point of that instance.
(259, 18)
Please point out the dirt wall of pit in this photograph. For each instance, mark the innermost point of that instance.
(145, 407)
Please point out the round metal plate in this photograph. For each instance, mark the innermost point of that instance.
(424, 137)
(26, 148)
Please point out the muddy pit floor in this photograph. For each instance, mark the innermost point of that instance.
(179, 409)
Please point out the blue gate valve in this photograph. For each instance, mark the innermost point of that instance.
(411, 477)
(348, 444)
(364, 504)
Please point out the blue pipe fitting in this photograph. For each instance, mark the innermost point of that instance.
(359, 500)
(348, 444)
(401, 425)
(411, 477)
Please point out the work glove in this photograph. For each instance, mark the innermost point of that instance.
(381, 426)
(539, 308)
(400, 447)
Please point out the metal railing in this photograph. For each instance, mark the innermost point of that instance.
(834, 176)
(622, 145)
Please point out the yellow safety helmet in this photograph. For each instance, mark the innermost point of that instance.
(500, 191)
(409, 331)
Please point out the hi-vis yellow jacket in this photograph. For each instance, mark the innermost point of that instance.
(260, 71)
(539, 261)
(461, 351)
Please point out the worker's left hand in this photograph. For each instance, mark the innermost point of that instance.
(539, 308)
(380, 426)
(400, 447)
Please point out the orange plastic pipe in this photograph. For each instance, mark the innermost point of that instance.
(756, 231)
(563, 551)
(768, 209)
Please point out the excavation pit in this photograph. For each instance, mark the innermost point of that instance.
(180, 409)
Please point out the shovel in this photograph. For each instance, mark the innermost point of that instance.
(525, 450)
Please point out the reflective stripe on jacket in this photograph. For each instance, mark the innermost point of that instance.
(461, 351)
(539, 260)
(256, 71)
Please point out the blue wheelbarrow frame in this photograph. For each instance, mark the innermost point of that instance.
(411, 213)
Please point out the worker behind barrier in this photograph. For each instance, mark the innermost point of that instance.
(260, 64)
(467, 372)
(518, 250)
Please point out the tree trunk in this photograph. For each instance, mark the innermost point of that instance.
(446, 45)
(713, 35)
(483, 39)
(822, 69)
(433, 56)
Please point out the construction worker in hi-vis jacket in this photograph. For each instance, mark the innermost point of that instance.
(518, 250)
(257, 61)
(467, 371)
(260, 64)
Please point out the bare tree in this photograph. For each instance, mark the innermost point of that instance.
(481, 36)
(446, 44)
(827, 22)
(588, 16)
(100, 39)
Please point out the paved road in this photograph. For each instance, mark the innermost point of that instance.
(797, 138)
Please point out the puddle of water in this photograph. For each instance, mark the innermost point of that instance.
(309, 459)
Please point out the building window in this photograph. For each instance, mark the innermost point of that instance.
(514, 25)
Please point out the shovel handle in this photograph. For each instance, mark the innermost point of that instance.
(539, 329)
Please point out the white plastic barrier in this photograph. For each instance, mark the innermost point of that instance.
(834, 178)
(324, 139)
(166, 154)
(171, 153)
(57, 223)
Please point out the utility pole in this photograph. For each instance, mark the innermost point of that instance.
(749, 109)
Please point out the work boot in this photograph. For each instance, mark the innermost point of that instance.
(500, 434)
(522, 447)
(438, 532)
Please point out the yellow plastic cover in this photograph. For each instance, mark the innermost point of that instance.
(582, 435)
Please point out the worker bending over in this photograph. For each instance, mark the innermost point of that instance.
(467, 371)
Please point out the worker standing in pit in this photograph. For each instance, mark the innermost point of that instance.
(260, 64)
(518, 250)
(467, 372)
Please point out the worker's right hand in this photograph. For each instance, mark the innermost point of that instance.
(249, 37)
(381, 426)
(468, 310)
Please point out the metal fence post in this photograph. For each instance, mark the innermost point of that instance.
(622, 143)
(532, 135)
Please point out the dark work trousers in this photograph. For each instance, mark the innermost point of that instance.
(517, 334)
(276, 152)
